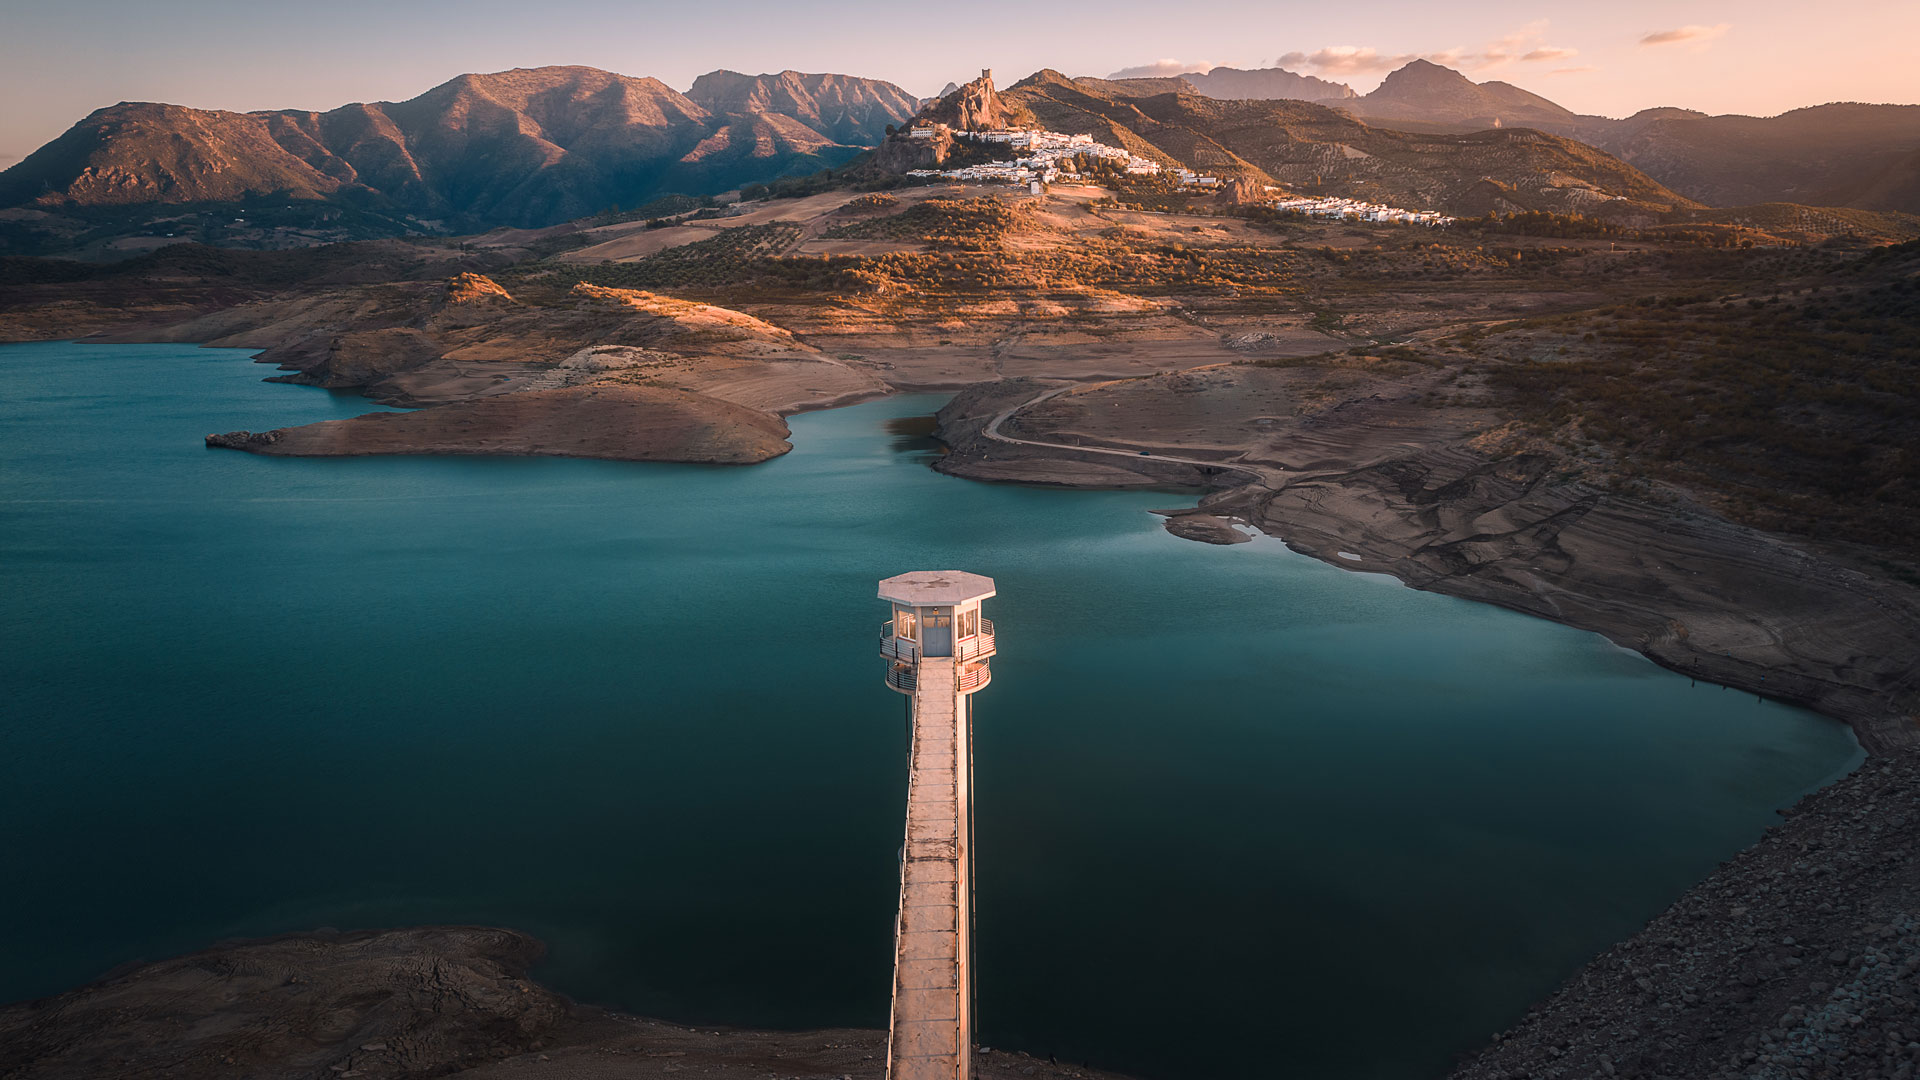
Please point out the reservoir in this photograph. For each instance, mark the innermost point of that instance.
(1238, 812)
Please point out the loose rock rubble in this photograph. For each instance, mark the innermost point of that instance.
(1796, 959)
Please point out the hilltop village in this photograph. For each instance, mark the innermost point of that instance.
(1048, 157)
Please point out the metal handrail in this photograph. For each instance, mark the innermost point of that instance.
(974, 648)
(897, 648)
(893, 647)
(901, 677)
(974, 678)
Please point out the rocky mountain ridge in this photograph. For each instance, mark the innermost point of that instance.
(1275, 82)
(535, 147)
(528, 147)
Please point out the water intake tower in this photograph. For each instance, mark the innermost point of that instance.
(938, 645)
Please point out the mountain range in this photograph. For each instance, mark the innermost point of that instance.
(1308, 147)
(534, 147)
(527, 147)
(1844, 154)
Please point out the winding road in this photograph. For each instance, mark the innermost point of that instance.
(1270, 478)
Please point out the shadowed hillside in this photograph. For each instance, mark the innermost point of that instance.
(527, 147)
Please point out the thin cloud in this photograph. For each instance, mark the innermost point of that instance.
(1525, 45)
(1162, 69)
(1344, 60)
(1697, 34)
(1573, 70)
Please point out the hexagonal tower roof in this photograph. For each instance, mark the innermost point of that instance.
(936, 588)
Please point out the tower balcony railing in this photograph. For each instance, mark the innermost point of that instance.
(900, 677)
(897, 648)
(977, 647)
(973, 677)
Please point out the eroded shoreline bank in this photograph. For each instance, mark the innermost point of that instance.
(1412, 492)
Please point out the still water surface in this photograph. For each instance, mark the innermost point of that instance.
(1239, 812)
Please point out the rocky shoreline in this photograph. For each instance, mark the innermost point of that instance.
(1382, 485)
(1797, 958)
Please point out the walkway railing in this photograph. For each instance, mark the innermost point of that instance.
(900, 677)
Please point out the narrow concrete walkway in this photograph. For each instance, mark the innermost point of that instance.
(932, 1027)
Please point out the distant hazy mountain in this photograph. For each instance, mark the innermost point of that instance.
(1427, 92)
(525, 147)
(1309, 147)
(1265, 84)
(1860, 156)
(841, 107)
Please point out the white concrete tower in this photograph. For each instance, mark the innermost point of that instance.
(938, 644)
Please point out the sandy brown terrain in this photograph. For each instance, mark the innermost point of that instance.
(635, 240)
(607, 373)
(626, 423)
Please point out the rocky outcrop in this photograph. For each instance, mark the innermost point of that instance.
(1206, 528)
(977, 106)
(903, 153)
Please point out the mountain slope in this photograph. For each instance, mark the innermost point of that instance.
(1430, 93)
(1843, 154)
(842, 108)
(1860, 156)
(1265, 84)
(1309, 147)
(527, 147)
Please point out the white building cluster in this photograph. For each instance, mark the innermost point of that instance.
(1191, 179)
(1042, 156)
(1356, 210)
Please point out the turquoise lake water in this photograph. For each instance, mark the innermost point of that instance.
(1238, 812)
